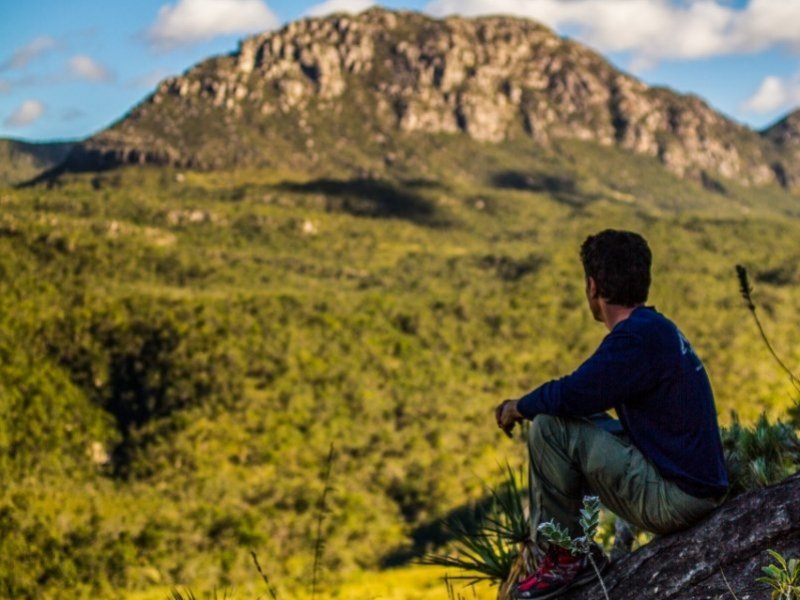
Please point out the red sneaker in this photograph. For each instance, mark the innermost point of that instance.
(558, 572)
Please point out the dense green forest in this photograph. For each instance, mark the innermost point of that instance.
(180, 350)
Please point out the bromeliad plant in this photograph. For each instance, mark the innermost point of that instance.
(589, 520)
(488, 548)
(759, 455)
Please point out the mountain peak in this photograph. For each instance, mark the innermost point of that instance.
(786, 131)
(299, 93)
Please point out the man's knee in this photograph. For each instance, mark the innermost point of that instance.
(543, 427)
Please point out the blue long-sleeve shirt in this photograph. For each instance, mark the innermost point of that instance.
(646, 370)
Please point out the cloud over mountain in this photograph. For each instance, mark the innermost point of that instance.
(336, 6)
(192, 21)
(647, 28)
(774, 93)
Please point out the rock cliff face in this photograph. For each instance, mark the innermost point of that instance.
(383, 75)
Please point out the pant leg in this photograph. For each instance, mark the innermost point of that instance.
(570, 458)
(556, 486)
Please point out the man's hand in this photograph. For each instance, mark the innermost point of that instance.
(507, 416)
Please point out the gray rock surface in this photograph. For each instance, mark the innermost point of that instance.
(734, 540)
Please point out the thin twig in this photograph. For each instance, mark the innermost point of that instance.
(599, 576)
(728, 585)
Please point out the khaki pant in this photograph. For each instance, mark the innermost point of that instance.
(571, 458)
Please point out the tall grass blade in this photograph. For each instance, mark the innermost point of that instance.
(273, 592)
(322, 509)
(746, 292)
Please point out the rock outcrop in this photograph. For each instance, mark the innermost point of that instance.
(380, 75)
(730, 545)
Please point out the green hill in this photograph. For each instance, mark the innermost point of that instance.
(180, 349)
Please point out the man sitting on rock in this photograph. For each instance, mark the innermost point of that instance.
(666, 469)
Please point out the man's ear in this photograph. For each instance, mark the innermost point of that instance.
(591, 287)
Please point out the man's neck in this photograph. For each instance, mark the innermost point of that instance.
(615, 313)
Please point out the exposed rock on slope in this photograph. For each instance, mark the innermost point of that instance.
(305, 92)
(733, 541)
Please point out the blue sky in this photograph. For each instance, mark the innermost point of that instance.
(70, 68)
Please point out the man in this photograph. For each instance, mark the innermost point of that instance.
(666, 470)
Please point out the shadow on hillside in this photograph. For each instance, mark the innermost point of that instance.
(435, 534)
(562, 188)
(373, 198)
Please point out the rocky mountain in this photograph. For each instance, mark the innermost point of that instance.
(20, 161)
(346, 90)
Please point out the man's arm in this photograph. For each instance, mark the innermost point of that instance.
(618, 371)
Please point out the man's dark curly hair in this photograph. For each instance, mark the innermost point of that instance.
(619, 262)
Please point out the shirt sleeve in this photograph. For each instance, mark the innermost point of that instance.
(615, 373)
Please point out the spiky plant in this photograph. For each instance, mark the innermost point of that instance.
(452, 594)
(488, 545)
(759, 455)
(508, 516)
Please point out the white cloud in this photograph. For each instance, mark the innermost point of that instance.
(769, 23)
(339, 6)
(652, 30)
(28, 112)
(192, 21)
(87, 69)
(774, 94)
(24, 55)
